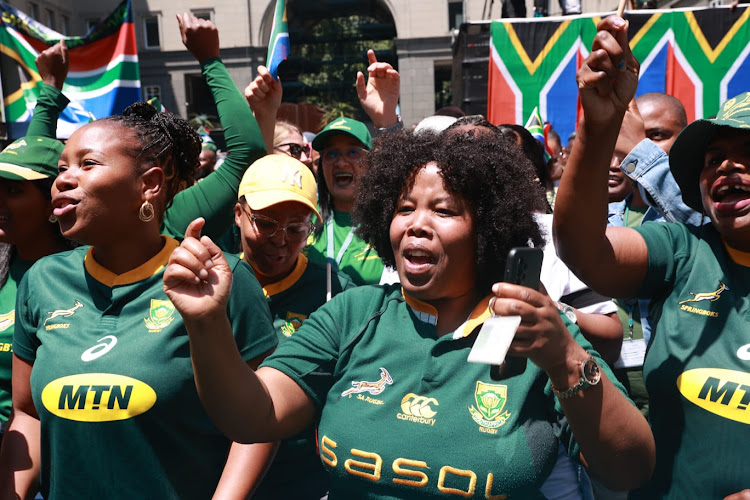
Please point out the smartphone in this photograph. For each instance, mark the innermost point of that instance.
(523, 267)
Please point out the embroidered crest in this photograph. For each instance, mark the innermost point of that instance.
(490, 400)
(371, 387)
(160, 315)
(292, 324)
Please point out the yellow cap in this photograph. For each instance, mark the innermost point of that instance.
(278, 178)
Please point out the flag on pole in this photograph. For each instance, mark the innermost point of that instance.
(278, 45)
(103, 77)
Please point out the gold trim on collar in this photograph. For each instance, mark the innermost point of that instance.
(286, 283)
(150, 268)
(738, 256)
(478, 316)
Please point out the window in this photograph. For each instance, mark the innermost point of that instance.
(152, 91)
(51, 19)
(34, 10)
(203, 14)
(151, 32)
(455, 15)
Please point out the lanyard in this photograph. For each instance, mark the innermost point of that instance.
(344, 246)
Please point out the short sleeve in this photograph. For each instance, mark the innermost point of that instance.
(248, 313)
(669, 248)
(25, 341)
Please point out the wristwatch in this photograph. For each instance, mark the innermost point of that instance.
(590, 376)
(393, 128)
(568, 311)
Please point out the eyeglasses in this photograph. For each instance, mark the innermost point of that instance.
(295, 150)
(268, 227)
(351, 154)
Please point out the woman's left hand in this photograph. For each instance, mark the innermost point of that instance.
(541, 336)
(379, 97)
(199, 36)
(198, 279)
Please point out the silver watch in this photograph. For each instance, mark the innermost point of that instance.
(590, 375)
(568, 311)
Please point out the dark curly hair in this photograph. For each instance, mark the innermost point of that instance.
(485, 169)
(167, 141)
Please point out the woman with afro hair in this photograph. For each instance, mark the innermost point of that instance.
(384, 369)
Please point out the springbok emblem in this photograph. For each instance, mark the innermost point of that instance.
(371, 387)
(63, 313)
(711, 296)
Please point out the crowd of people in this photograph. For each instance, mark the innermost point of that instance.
(317, 347)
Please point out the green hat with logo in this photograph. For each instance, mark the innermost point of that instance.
(343, 125)
(30, 158)
(688, 152)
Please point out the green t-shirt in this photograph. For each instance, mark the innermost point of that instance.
(291, 301)
(112, 379)
(18, 268)
(697, 367)
(404, 415)
(360, 260)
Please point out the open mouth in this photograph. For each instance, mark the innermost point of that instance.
(63, 206)
(343, 179)
(730, 197)
(417, 259)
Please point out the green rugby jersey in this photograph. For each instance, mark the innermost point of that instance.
(113, 382)
(404, 415)
(18, 268)
(360, 260)
(697, 367)
(291, 301)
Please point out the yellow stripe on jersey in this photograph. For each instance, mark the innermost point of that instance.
(140, 273)
(289, 281)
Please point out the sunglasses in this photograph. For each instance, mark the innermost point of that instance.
(268, 227)
(352, 154)
(295, 150)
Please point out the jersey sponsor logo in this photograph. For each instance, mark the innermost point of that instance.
(292, 324)
(725, 393)
(490, 400)
(63, 313)
(418, 409)
(103, 347)
(373, 388)
(160, 315)
(744, 352)
(97, 397)
(7, 320)
(409, 472)
(704, 296)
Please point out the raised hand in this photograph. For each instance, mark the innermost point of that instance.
(199, 36)
(379, 97)
(608, 78)
(53, 63)
(198, 279)
(263, 94)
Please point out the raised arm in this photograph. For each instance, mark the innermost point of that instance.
(612, 261)
(52, 65)
(246, 406)
(263, 95)
(379, 97)
(215, 196)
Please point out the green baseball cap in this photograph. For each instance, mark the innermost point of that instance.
(343, 125)
(689, 149)
(30, 158)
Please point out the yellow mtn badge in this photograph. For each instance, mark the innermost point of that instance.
(7, 320)
(160, 315)
(490, 399)
(292, 324)
(725, 393)
(97, 397)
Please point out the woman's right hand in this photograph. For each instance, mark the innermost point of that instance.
(53, 63)
(608, 78)
(199, 36)
(198, 279)
(264, 94)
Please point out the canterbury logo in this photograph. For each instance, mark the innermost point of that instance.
(418, 406)
(371, 387)
(710, 296)
(63, 313)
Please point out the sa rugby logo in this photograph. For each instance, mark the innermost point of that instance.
(712, 296)
(373, 388)
(490, 399)
(160, 315)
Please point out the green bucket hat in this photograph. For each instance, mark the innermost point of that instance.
(689, 150)
(30, 158)
(343, 125)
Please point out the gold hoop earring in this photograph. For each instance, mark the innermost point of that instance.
(146, 213)
(52, 218)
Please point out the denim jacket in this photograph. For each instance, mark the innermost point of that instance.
(648, 166)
